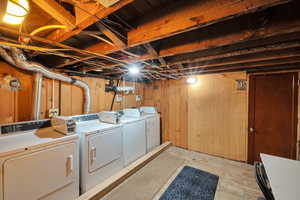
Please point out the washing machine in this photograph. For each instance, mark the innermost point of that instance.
(101, 150)
(134, 135)
(37, 162)
(152, 118)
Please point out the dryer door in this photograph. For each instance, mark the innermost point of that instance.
(104, 148)
(39, 174)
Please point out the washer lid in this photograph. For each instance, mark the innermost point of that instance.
(94, 126)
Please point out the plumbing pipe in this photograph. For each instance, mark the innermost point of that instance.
(18, 59)
(35, 31)
(37, 96)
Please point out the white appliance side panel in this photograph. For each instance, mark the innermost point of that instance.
(104, 148)
(153, 132)
(157, 131)
(41, 174)
(134, 142)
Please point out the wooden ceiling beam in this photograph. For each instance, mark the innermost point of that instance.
(190, 58)
(154, 53)
(74, 61)
(58, 12)
(282, 31)
(270, 62)
(285, 66)
(111, 35)
(271, 30)
(189, 15)
(86, 15)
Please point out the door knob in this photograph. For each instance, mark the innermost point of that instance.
(251, 130)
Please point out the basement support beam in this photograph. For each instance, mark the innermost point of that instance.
(86, 15)
(293, 53)
(245, 65)
(154, 53)
(58, 12)
(74, 62)
(190, 58)
(189, 15)
(287, 30)
(111, 35)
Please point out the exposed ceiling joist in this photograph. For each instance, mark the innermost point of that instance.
(259, 68)
(268, 62)
(191, 15)
(111, 35)
(234, 61)
(75, 61)
(271, 29)
(154, 53)
(58, 12)
(86, 15)
(248, 51)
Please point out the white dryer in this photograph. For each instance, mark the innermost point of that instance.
(101, 150)
(152, 126)
(134, 135)
(36, 162)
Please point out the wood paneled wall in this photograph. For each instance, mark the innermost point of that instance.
(210, 117)
(217, 116)
(170, 98)
(17, 105)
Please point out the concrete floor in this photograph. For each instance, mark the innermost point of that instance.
(236, 179)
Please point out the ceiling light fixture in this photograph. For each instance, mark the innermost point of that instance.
(133, 70)
(13, 11)
(191, 80)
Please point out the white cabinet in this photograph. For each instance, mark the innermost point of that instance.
(153, 132)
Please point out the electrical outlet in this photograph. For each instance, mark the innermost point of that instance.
(118, 98)
(138, 98)
(53, 112)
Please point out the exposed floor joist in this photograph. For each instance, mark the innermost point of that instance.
(192, 15)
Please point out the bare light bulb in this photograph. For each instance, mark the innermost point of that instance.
(134, 70)
(191, 80)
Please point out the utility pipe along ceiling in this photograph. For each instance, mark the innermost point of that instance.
(148, 40)
(16, 58)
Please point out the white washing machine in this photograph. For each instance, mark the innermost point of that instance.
(101, 150)
(37, 162)
(134, 135)
(152, 126)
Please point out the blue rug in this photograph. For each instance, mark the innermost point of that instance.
(192, 184)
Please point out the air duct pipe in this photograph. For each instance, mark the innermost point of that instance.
(38, 86)
(18, 59)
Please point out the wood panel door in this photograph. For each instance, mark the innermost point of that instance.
(272, 115)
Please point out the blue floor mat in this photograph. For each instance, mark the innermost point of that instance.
(192, 184)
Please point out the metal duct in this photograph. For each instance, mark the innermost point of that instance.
(38, 83)
(18, 59)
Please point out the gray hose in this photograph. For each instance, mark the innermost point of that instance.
(18, 59)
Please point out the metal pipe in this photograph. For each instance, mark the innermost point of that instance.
(37, 96)
(18, 59)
